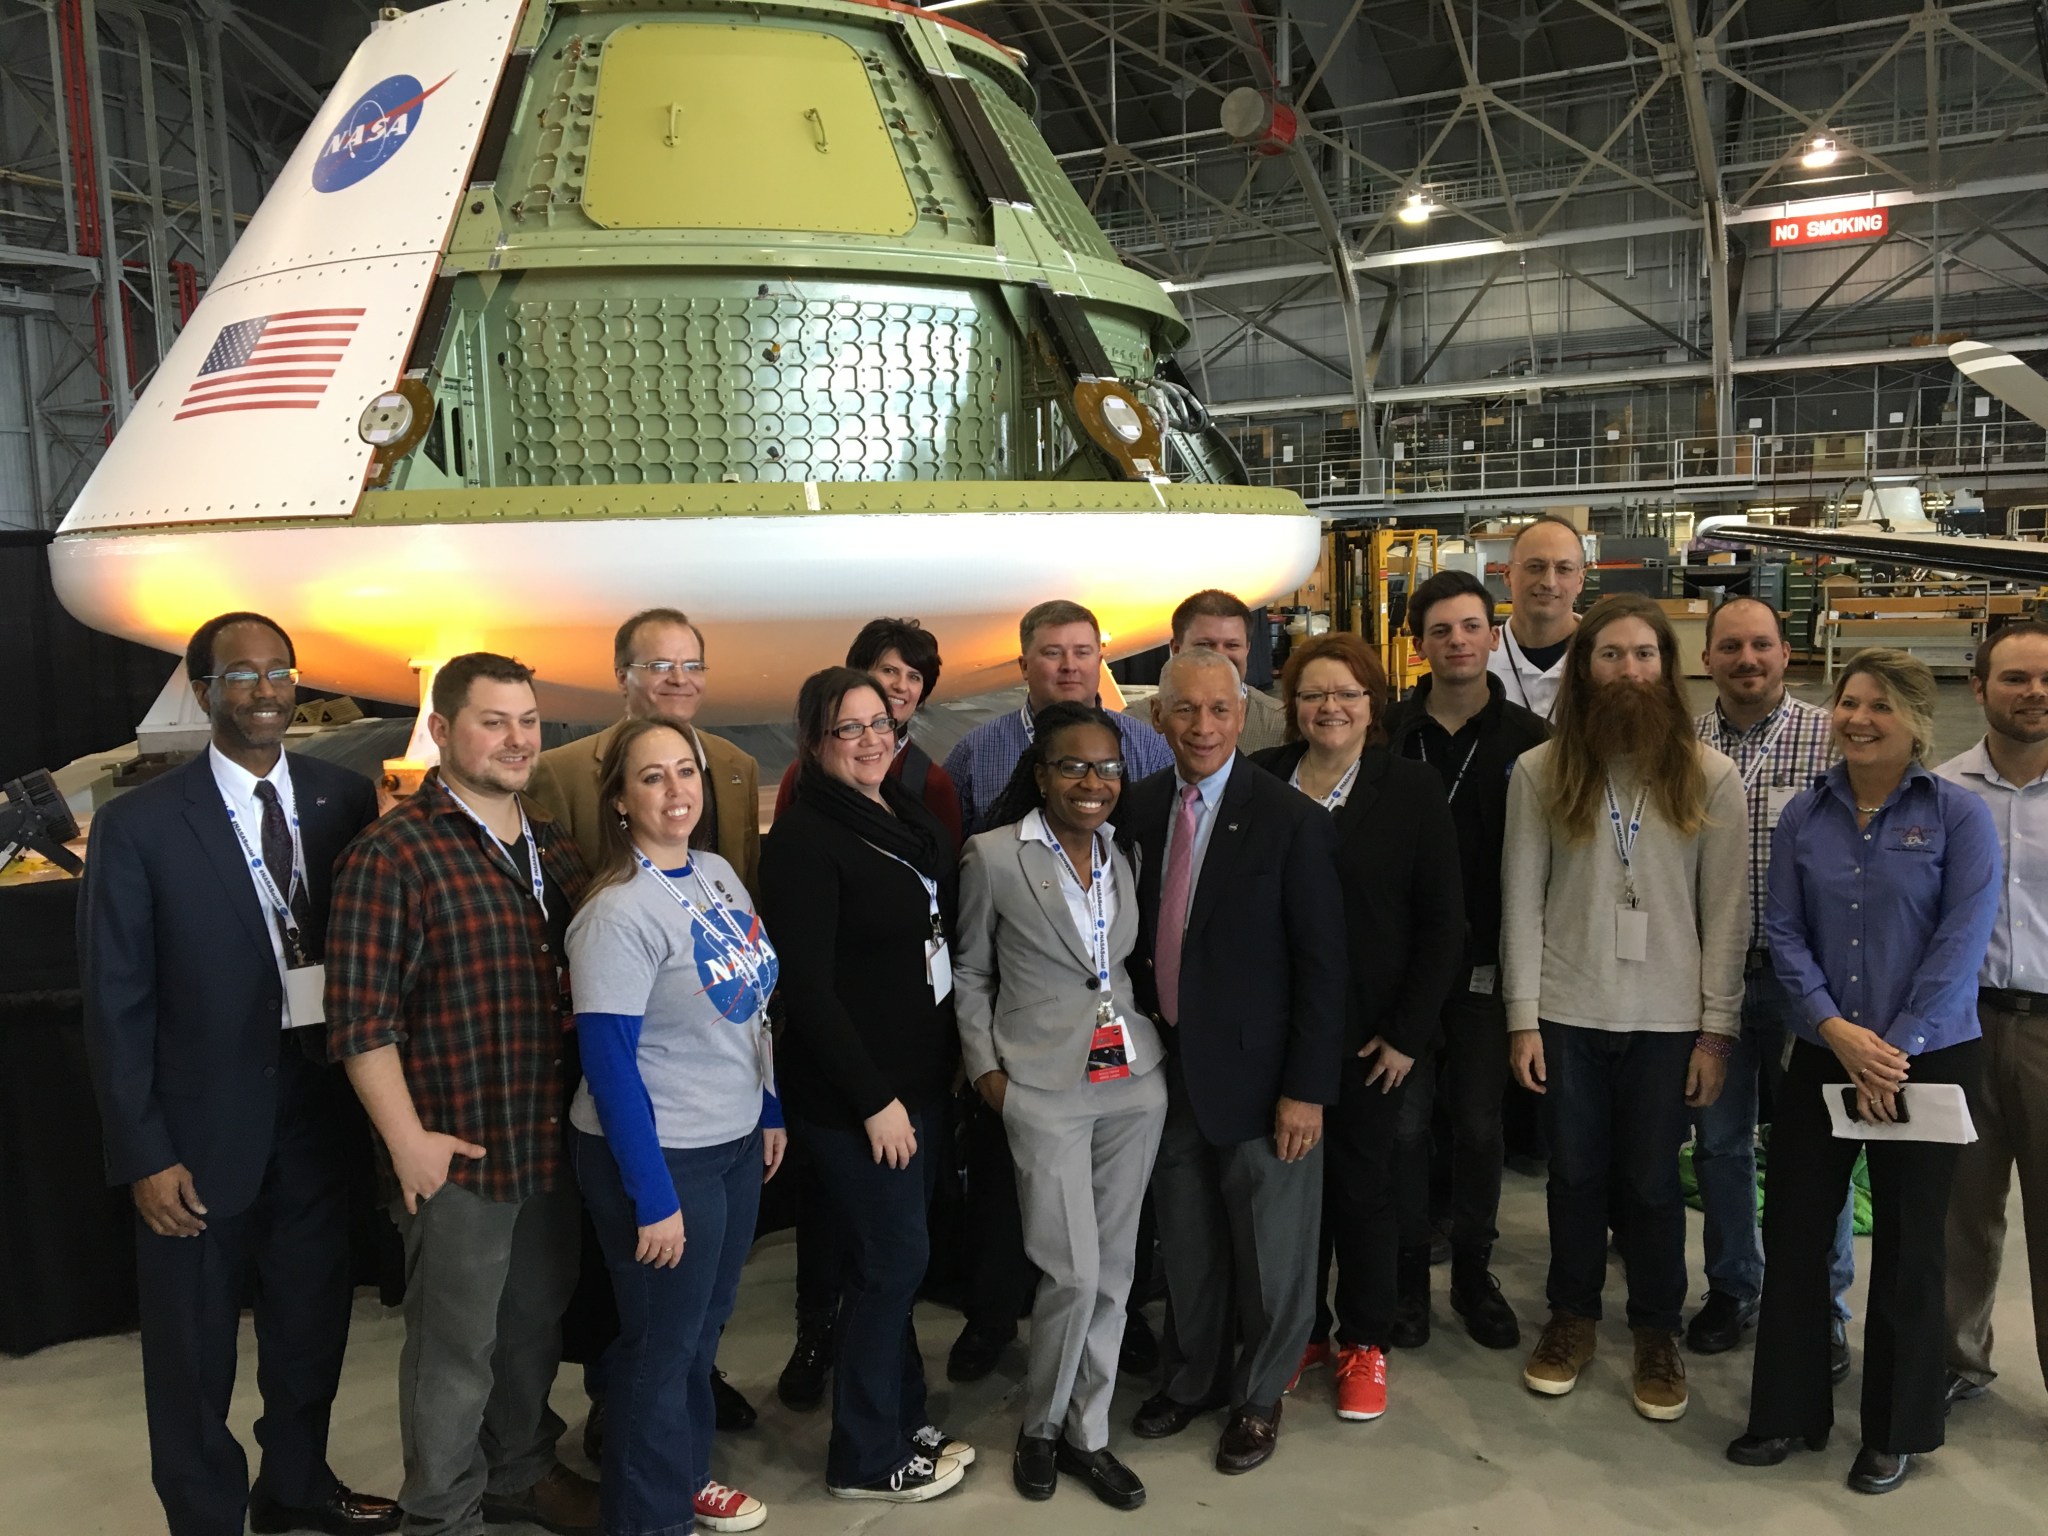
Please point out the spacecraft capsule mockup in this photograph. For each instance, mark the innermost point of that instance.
(781, 311)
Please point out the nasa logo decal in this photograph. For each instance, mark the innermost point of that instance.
(372, 131)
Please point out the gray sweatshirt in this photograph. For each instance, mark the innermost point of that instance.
(1559, 899)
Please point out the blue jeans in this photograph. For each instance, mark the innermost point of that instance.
(1724, 1153)
(1615, 1117)
(659, 1416)
(878, 1396)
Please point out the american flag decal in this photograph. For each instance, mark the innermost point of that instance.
(272, 363)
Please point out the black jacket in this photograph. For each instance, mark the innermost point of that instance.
(850, 925)
(1404, 912)
(182, 995)
(1480, 811)
(1262, 965)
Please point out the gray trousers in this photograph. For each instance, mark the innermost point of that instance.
(1237, 1235)
(1083, 1155)
(486, 1283)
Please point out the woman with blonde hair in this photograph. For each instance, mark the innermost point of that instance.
(1884, 886)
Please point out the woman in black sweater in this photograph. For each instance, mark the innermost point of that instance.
(858, 885)
(1404, 918)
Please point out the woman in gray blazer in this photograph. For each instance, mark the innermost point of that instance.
(1055, 1042)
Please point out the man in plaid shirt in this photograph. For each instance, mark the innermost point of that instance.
(1781, 746)
(447, 1000)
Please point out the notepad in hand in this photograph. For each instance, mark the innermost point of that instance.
(1940, 1113)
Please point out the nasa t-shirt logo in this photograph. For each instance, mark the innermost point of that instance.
(722, 973)
(377, 127)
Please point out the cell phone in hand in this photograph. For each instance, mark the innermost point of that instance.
(1852, 1106)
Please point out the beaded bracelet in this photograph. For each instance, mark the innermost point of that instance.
(1714, 1045)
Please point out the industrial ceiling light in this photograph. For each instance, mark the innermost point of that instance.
(1821, 152)
(1417, 209)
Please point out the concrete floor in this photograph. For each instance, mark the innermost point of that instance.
(1464, 1448)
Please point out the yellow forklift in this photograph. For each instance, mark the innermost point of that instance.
(1370, 572)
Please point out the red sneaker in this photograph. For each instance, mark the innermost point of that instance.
(720, 1508)
(1361, 1382)
(1317, 1353)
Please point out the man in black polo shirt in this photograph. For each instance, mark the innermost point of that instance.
(1461, 722)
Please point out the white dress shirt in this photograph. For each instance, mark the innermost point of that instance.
(1535, 690)
(1033, 829)
(238, 790)
(2017, 957)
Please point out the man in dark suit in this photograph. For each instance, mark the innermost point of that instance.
(201, 930)
(1240, 959)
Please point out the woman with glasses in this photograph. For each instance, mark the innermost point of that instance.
(858, 886)
(1055, 1044)
(1404, 916)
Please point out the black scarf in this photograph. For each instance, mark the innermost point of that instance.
(912, 833)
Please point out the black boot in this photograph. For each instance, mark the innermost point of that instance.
(1411, 1306)
(1476, 1297)
(802, 1384)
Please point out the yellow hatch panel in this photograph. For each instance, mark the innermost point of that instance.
(700, 126)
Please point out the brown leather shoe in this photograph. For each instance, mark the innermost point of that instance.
(562, 1501)
(1248, 1441)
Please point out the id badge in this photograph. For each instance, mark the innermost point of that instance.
(938, 969)
(305, 996)
(1776, 798)
(1485, 978)
(1108, 1053)
(1631, 933)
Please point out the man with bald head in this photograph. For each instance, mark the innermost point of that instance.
(1240, 962)
(1781, 745)
(1546, 575)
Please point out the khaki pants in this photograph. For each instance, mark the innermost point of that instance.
(2012, 1130)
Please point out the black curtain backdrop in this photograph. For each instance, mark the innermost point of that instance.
(65, 690)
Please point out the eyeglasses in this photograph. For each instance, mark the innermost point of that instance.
(852, 730)
(1536, 570)
(1314, 696)
(667, 668)
(243, 678)
(1111, 768)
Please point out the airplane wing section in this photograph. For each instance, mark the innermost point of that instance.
(2004, 559)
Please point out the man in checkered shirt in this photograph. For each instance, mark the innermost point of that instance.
(1781, 746)
(448, 1002)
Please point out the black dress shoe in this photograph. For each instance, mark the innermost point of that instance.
(731, 1410)
(1717, 1327)
(1248, 1440)
(1960, 1389)
(1107, 1478)
(1140, 1352)
(1160, 1416)
(346, 1513)
(975, 1352)
(1878, 1471)
(802, 1383)
(593, 1433)
(1838, 1351)
(1769, 1450)
(1488, 1318)
(1033, 1469)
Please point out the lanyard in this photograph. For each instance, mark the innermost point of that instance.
(1471, 752)
(533, 868)
(1626, 846)
(278, 898)
(1338, 791)
(931, 889)
(1098, 939)
(752, 959)
(1030, 728)
(1755, 770)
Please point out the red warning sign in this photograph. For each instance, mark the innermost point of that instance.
(1829, 228)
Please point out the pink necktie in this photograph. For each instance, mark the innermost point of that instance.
(1173, 906)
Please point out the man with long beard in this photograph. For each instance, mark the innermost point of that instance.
(1625, 888)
